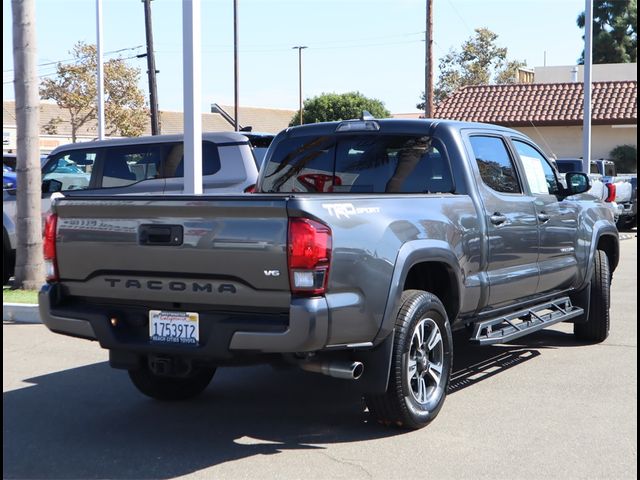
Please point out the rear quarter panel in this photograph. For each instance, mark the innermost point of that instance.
(368, 232)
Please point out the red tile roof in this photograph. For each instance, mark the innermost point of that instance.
(521, 104)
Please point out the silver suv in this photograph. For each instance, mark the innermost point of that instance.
(142, 165)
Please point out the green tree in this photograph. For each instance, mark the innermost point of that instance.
(615, 31)
(480, 61)
(626, 158)
(329, 107)
(74, 89)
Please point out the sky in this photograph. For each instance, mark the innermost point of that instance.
(375, 47)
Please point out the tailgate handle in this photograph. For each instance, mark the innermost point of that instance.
(160, 234)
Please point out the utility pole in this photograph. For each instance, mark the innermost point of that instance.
(300, 48)
(586, 114)
(151, 70)
(428, 62)
(29, 267)
(235, 66)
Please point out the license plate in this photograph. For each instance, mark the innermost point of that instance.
(174, 327)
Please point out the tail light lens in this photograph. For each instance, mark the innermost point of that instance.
(250, 189)
(309, 255)
(611, 196)
(49, 246)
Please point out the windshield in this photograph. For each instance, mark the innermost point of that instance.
(358, 164)
(566, 166)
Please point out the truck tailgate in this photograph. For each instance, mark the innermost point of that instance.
(226, 252)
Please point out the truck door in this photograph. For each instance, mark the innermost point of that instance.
(511, 221)
(557, 220)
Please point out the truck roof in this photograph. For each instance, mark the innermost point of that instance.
(396, 125)
(215, 137)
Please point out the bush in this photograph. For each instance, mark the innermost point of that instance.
(625, 158)
(330, 107)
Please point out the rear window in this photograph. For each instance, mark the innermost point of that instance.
(358, 164)
(609, 170)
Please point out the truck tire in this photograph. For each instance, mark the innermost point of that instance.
(596, 327)
(420, 364)
(171, 388)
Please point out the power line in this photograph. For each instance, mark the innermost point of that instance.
(278, 50)
(460, 16)
(76, 60)
(55, 73)
(285, 46)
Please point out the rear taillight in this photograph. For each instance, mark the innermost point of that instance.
(611, 195)
(309, 255)
(250, 189)
(49, 246)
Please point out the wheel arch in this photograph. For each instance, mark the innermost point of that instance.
(428, 265)
(610, 245)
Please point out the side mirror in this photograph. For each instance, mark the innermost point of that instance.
(51, 186)
(577, 182)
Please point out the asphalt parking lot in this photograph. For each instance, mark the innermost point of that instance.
(541, 407)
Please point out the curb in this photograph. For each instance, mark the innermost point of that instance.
(21, 312)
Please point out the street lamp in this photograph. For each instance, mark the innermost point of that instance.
(300, 48)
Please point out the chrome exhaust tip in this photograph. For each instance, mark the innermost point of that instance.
(336, 369)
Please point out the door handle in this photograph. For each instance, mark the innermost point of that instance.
(160, 235)
(497, 218)
(543, 217)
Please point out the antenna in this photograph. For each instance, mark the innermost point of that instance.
(553, 154)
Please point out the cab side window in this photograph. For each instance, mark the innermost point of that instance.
(541, 177)
(73, 169)
(496, 167)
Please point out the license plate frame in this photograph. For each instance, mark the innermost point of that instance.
(174, 327)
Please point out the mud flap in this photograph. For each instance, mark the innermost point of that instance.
(377, 364)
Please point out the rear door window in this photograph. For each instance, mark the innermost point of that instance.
(359, 164)
(129, 164)
(125, 165)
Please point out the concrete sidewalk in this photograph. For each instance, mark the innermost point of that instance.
(21, 312)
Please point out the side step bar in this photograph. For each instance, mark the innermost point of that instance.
(518, 324)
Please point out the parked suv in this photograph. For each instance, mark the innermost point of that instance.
(140, 165)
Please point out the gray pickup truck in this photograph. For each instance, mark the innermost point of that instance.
(366, 243)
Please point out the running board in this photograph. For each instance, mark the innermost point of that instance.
(509, 327)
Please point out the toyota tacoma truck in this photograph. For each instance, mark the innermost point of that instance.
(365, 244)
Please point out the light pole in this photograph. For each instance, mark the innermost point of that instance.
(236, 108)
(300, 48)
(100, 78)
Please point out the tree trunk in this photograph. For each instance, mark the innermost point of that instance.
(29, 272)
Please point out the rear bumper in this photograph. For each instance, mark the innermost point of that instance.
(222, 335)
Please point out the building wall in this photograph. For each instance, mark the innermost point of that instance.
(567, 141)
(608, 72)
(46, 142)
